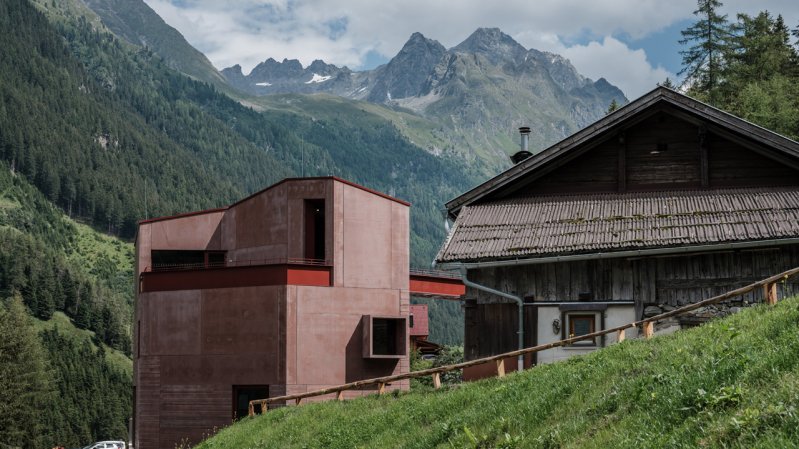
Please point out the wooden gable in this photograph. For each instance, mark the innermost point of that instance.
(663, 151)
(662, 141)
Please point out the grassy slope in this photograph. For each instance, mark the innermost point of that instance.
(731, 383)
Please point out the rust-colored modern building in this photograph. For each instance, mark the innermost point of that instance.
(300, 286)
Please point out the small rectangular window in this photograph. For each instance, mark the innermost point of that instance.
(243, 394)
(384, 337)
(582, 325)
(410, 321)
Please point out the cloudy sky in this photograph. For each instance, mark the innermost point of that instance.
(632, 43)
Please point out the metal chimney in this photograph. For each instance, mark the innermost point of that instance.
(524, 151)
(525, 133)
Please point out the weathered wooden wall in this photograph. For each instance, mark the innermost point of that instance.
(490, 322)
(631, 161)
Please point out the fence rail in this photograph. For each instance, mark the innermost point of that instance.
(769, 286)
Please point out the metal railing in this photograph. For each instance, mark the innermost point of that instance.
(769, 286)
(237, 263)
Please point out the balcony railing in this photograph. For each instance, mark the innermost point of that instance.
(237, 263)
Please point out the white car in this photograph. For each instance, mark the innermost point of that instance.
(107, 445)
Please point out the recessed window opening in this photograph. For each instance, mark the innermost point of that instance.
(315, 229)
(410, 321)
(215, 259)
(243, 394)
(186, 259)
(582, 325)
(177, 259)
(384, 337)
(660, 148)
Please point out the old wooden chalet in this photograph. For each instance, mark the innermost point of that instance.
(663, 202)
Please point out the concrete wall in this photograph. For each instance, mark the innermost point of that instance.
(194, 232)
(613, 316)
(269, 225)
(371, 240)
(194, 345)
(324, 345)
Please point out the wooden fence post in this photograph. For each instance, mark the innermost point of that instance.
(340, 395)
(501, 368)
(649, 329)
(251, 410)
(436, 380)
(770, 294)
(620, 336)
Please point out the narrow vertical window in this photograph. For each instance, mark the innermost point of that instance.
(315, 229)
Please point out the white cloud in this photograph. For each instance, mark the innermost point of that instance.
(615, 61)
(343, 32)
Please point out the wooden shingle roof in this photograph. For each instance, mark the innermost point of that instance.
(590, 223)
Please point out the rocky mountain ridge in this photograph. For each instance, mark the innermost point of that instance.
(415, 71)
(476, 93)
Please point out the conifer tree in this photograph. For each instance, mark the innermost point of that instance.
(708, 37)
(612, 107)
(25, 385)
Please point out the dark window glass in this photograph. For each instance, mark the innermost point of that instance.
(243, 394)
(582, 325)
(315, 229)
(216, 259)
(172, 260)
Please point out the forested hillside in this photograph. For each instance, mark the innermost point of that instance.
(111, 134)
(77, 283)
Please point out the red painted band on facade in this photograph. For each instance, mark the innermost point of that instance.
(429, 285)
(231, 277)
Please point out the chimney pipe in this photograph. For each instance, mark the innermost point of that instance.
(524, 151)
(525, 132)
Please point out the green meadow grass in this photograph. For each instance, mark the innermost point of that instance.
(731, 383)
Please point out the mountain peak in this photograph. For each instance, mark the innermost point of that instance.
(492, 43)
(417, 36)
(417, 43)
(406, 73)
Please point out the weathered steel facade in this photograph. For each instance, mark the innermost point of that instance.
(236, 303)
(664, 202)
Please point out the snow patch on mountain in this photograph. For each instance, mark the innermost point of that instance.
(318, 79)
